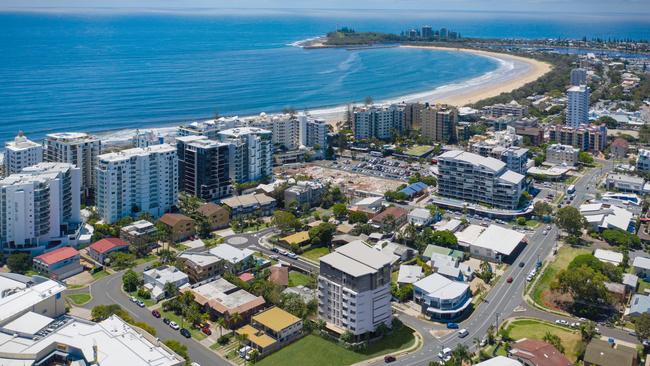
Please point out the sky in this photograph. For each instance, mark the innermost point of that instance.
(633, 7)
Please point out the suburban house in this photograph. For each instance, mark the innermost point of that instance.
(497, 243)
(640, 304)
(179, 226)
(431, 249)
(299, 238)
(200, 266)
(59, 264)
(392, 217)
(222, 298)
(235, 260)
(249, 204)
(441, 298)
(601, 353)
(608, 256)
(409, 274)
(140, 234)
(155, 280)
(217, 216)
(532, 352)
(420, 217)
(451, 267)
(271, 329)
(101, 249)
(641, 266)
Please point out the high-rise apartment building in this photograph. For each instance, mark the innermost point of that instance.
(75, 148)
(285, 129)
(578, 76)
(146, 139)
(513, 109)
(439, 123)
(40, 208)
(427, 32)
(313, 132)
(585, 137)
(379, 122)
(562, 154)
(138, 180)
(354, 288)
(413, 115)
(471, 177)
(251, 155)
(577, 112)
(204, 168)
(21, 153)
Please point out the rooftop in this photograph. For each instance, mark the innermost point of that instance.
(539, 353)
(231, 254)
(297, 238)
(394, 211)
(276, 319)
(440, 287)
(409, 273)
(499, 239)
(138, 151)
(225, 297)
(165, 274)
(499, 361)
(356, 259)
(171, 219)
(474, 159)
(641, 262)
(602, 353)
(57, 255)
(256, 336)
(107, 244)
(608, 256)
(19, 293)
(247, 200)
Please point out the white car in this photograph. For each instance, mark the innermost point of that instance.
(561, 322)
(445, 354)
(463, 333)
(195, 364)
(174, 326)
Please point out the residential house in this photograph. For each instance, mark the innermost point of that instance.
(602, 353)
(640, 304)
(235, 260)
(249, 205)
(609, 256)
(279, 275)
(217, 216)
(101, 249)
(141, 234)
(619, 148)
(451, 268)
(300, 238)
(179, 226)
(420, 217)
(497, 243)
(155, 280)
(409, 274)
(200, 266)
(641, 266)
(602, 216)
(532, 352)
(499, 361)
(271, 329)
(58, 264)
(391, 218)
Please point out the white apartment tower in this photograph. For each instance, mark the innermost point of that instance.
(354, 288)
(379, 122)
(21, 153)
(578, 107)
(40, 207)
(313, 132)
(75, 148)
(251, 153)
(137, 180)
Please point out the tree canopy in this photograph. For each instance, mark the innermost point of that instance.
(569, 219)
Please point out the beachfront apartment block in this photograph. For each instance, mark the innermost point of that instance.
(577, 112)
(313, 132)
(439, 123)
(471, 177)
(251, 154)
(79, 149)
(643, 161)
(133, 181)
(585, 137)
(562, 154)
(378, 121)
(21, 153)
(204, 168)
(578, 76)
(354, 288)
(505, 109)
(40, 208)
(209, 128)
(285, 129)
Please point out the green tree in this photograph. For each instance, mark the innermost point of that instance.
(569, 219)
(460, 355)
(178, 348)
(444, 238)
(607, 120)
(347, 337)
(170, 290)
(121, 260)
(585, 158)
(521, 221)
(19, 262)
(322, 234)
(339, 210)
(554, 340)
(642, 326)
(587, 288)
(541, 208)
(587, 331)
(355, 217)
(131, 281)
(285, 221)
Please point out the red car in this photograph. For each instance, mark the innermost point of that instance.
(509, 280)
(155, 313)
(206, 330)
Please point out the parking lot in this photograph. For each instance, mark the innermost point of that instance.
(379, 167)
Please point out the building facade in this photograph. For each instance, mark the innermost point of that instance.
(204, 168)
(379, 122)
(40, 208)
(643, 161)
(578, 76)
(585, 137)
(471, 177)
(79, 149)
(251, 153)
(562, 154)
(59, 264)
(137, 180)
(506, 109)
(577, 112)
(21, 153)
(439, 123)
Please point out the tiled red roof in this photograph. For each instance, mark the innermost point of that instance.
(620, 142)
(539, 353)
(246, 276)
(106, 244)
(396, 212)
(58, 255)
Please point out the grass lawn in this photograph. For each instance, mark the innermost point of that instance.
(298, 278)
(564, 256)
(532, 223)
(99, 275)
(316, 253)
(147, 258)
(534, 329)
(643, 285)
(196, 333)
(79, 299)
(302, 352)
(147, 302)
(418, 150)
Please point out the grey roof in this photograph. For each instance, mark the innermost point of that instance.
(640, 304)
(630, 280)
(420, 213)
(475, 159)
(512, 177)
(409, 273)
(356, 259)
(641, 262)
(440, 287)
(499, 239)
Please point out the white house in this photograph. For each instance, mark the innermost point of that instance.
(496, 243)
(641, 266)
(420, 217)
(609, 256)
(155, 280)
(409, 274)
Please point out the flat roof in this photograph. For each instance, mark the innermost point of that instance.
(25, 297)
(440, 287)
(201, 259)
(641, 262)
(499, 239)
(474, 159)
(499, 361)
(276, 319)
(256, 336)
(608, 256)
(470, 234)
(297, 238)
(224, 296)
(231, 254)
(362, 253)
(409, 273)
(29, 323)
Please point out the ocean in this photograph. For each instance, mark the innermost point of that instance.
(104, 72)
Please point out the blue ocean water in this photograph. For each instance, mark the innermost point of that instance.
(98, 72)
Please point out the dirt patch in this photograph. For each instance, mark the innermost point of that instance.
(556, 300)
(440, 333)
(80, 279)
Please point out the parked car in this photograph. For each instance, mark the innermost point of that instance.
(389, 359)
(463, 333)
(275, 250)
(166, 321)
(133, 299)
(155, 313)
(509, 280)
(292, 255)
(452, 325)
(195, 364)
(186, 333)
(206, 331)
(483, 342)
(561, 322)
(445, 354)
(174, 326)
(140, 303)
(274, 256)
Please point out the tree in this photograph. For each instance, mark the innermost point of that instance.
(620, 237)
(19, 262)
(347, 337)
(170, 290)
(587, 331)
(642, 326)
(121, 260)
(179, 348)
(569, 219)
(485, 273)
(339, 210)
(554, 341)
(322, 234)
(189, 204)
(585, 158)
(285, 221)
(607, 120)
(541, 208)
(221, 322)
(355, 217)
(235, 318)
(460, 354)
(521, 221)
(294, 304)
(586, 286)
(130, 281)
(444, 238)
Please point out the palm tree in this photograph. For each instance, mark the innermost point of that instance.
(235, 318)
(241, 338)
(461, 354)
(221, 322)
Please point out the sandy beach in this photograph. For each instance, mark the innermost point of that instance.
(512, 73)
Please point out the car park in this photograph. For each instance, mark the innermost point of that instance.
(155, 313)
(186, 333)
(174, 326)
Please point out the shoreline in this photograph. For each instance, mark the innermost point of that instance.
(513, 72)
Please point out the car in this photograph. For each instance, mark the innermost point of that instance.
(509, 280)
(548, 227)
(445, 354)
(561, 322)
(166, 321)
(206, 331)
(529, 278)
(274, 256)
(133, 299)
(389, 359)
(597, 330)
(275, 250)
(186, 333)
(463, 333)
(452, 325)
(174, 326)
(155, 313)
(292, 255)
(521, 264)
(483, 342)
(140, 303)
(544, 232)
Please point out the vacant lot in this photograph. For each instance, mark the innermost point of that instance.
(298, 278)
(316, 253)
(564, 256)
(534, 329)
(79, 299)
